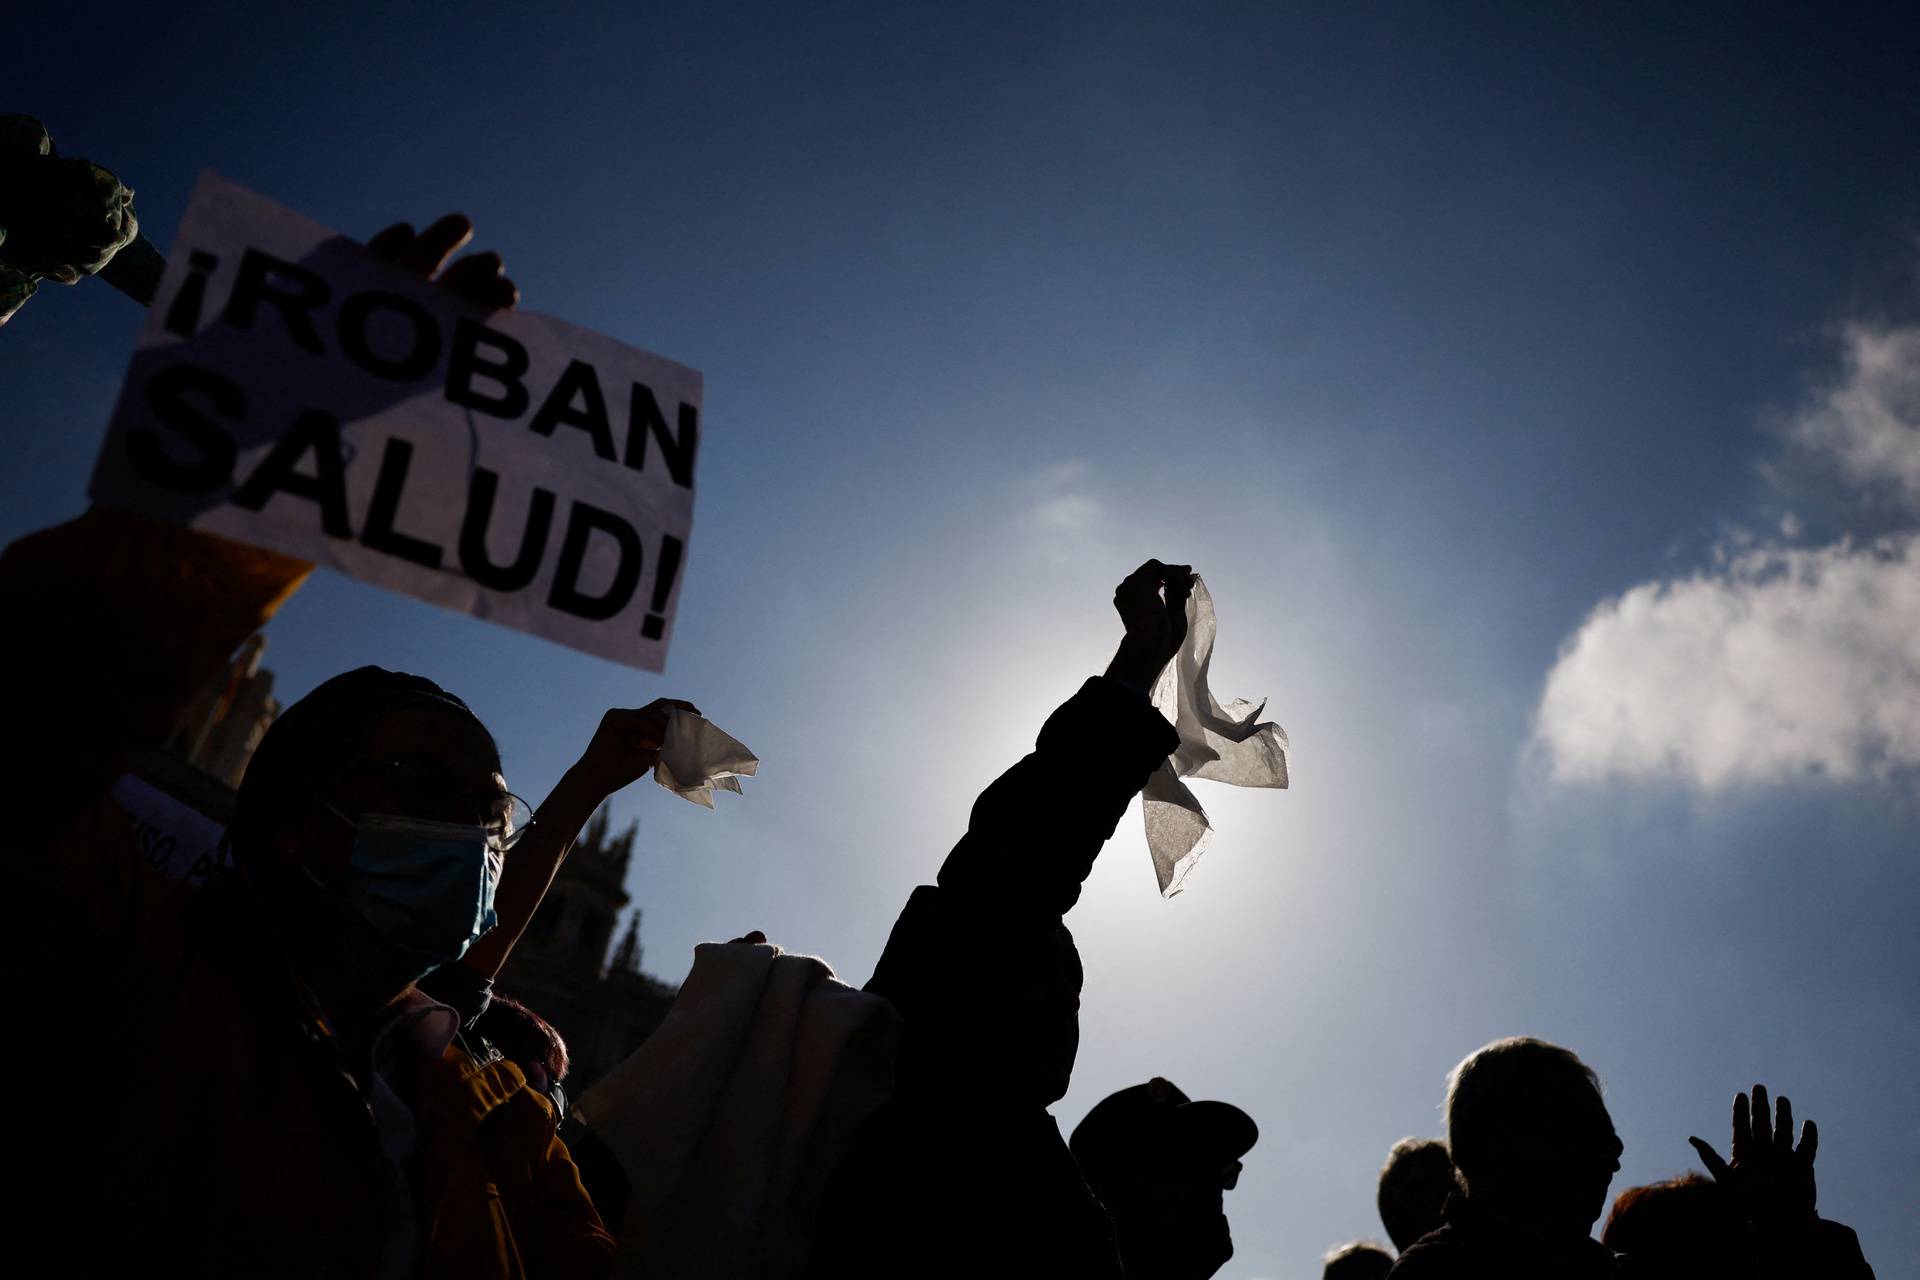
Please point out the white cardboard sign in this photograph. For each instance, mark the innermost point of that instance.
(177, 840)
(292, 391)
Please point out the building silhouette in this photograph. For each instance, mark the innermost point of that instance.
(221, 726)
(604, 1007)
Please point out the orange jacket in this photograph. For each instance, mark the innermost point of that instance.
(197, 1118)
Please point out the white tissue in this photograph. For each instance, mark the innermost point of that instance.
(1226, 744)
(696, 760)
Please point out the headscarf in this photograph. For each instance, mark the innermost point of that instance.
(309, 747)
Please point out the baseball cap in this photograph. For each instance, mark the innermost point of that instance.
(1154, 1129)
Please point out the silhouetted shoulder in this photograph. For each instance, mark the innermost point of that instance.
(1836, 1252)
(1453, 1254)
(1433, 1256)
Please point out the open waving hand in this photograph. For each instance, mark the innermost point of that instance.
(1771, 1178)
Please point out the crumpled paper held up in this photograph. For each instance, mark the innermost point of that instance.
(696, 760)
(1226, 744)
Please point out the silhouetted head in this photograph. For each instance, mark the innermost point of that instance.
(374, 809)
(1687, 1228)
(1360, 1260)
(529, 1042)
(1160, 1163)
(1530, 1135)
(1414, 1185)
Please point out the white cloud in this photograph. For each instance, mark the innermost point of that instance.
(1787, 662)
(1058, 500)
(1870, 422)
(1070, 511)
(1776, 661)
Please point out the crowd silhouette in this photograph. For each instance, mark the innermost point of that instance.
(301, 1068)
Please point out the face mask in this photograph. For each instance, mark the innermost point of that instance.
(425, 887)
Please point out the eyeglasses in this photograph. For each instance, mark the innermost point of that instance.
(511, 818)
(425, 786)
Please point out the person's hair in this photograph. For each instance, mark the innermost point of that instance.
(308, 748)
(1684, 1226)
(1361, 1260)
(523, 1035)
(1413, 1163)
(1508, 1079)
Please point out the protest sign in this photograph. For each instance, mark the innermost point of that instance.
(175, 838)
(292, 391)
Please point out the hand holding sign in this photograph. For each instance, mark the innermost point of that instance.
(294, 391)
(479, 278)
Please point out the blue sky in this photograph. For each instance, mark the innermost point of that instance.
(1427, 333)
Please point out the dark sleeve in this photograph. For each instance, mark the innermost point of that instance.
(555, 1222)
(460, 989)
(1826, 1249)
(1036, 830)
(114, 622)
(606, 1182)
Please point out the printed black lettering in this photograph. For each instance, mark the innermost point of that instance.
(300, 295)
(312, 432)
(464, 363)
(566, 596)
(481, 494)
(211, 466)
(591, 416)
(388, 486)
(654, 625)
(423, 349)
(647, 420)
(183, 313)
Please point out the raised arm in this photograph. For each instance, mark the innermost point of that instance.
(1035, 832)
(1773, 1185)
(623, 748)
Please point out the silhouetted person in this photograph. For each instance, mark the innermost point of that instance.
(268, 1091)
(1686, 1228)
(1161, 1164)
(1535, 1149)
(1414, 1185)
(964, 1173)
(1357, 1261)
(530, 1043)
(304, 1106)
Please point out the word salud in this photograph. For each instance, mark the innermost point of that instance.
(411, 439)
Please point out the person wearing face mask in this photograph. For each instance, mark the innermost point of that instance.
(368, 837)
(254, 1082)
(305, 1091)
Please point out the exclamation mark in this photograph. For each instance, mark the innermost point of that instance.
(184, 315)
(656, 622)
